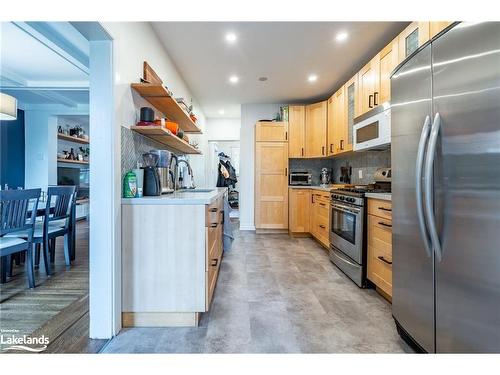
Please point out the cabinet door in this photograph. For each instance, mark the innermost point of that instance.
(313, 216)
(299, 210)
(316, 129)
(416, 34)
(271, 131)
(351, 111)
(388, 60)
(368, 84)
(297, 131)
(271, 185)
(436, 27)
(339, 121)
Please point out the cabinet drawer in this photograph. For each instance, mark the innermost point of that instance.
(380, 208)
(214, 213)
(323, 210)
(380, 252)
(322, 230)
(211, 277)
(321, 195)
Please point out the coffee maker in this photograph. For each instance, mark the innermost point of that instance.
(164, 171)
(151, 183)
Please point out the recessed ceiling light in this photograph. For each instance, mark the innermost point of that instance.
(234, 79)
(221, 112)
(342, 36)
(231, 37)
(312, 78)
(262, 79)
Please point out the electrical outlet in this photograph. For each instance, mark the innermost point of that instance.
(360, 174)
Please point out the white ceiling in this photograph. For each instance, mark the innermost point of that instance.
(35, 72)
(285, 52)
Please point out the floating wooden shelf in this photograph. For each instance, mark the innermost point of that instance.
(158, 97)
(165, 136)
(72, 139)
(72, 161)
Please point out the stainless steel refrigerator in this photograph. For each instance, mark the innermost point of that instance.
(446, 192)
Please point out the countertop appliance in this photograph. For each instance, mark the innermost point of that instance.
(301, 178)
(345, 174)
(348, 225)
(152, 186)
(372, 130)
(326, 176)
(445, 192)
(164, 172)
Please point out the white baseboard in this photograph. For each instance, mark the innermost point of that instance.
(247, 226)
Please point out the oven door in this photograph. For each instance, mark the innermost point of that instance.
(346, 230)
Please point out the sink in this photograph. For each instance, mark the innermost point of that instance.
(196, 190)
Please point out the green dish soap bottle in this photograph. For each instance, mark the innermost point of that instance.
(129, 185)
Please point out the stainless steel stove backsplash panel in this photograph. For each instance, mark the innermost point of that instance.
(367, 161)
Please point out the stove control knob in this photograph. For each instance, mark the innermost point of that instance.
(342, 198)
(351, 199)
(335, 196)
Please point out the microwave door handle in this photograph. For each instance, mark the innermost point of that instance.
(428, 185)
(418, 184)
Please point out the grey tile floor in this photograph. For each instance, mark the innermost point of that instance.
(276, 294)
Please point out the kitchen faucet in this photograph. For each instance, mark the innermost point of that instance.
(190, 172)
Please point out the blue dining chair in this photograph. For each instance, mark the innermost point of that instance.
(56, 223)
(16, 215)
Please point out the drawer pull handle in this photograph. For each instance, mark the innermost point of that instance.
(213, 210)
(384, 224)
(385, 209)
(322, 204)
(214, 225)
(215, 262)
(384, 260)
(322, 226)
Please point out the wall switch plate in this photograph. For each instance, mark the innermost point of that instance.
(360, 174)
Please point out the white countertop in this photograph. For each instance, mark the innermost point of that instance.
(382, 196)
(179, 198)
(317, 187)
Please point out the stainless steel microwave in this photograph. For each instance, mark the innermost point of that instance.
(372, 131)
(302, 178)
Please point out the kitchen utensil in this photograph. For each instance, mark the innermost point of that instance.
(150, 159)
(147, 114)
(172, 126)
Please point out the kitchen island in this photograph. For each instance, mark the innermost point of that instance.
(171, 254)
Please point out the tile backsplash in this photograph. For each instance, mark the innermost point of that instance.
(367, 162)
(133, 146)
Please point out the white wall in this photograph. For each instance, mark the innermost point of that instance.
(134, 43)
(250, 114)
(223, 129)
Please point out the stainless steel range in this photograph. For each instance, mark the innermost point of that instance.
(347, 234)
(348, 223)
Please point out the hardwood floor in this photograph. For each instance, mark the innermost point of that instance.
(57, 307)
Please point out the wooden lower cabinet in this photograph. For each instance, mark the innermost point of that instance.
(309, 213)
(299, 210)
(379, 236)
(320, 217)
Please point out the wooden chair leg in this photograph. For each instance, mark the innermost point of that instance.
(46, 259)
(37, 255)
(29, 267)
(67, 239)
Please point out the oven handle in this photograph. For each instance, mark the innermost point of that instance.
(342, 256)
(345, 209)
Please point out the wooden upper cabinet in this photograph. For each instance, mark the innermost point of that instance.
(368, 85)
(411, 38)
(316, 129)
(388, 60)
(271, 131)
(296, 131)
(436, 27)
(271, 185)
(337, 123)
(352, 110)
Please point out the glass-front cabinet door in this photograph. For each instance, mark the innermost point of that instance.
(415, 35)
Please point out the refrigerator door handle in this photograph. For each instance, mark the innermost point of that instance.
(428, 185)
(418, 184)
